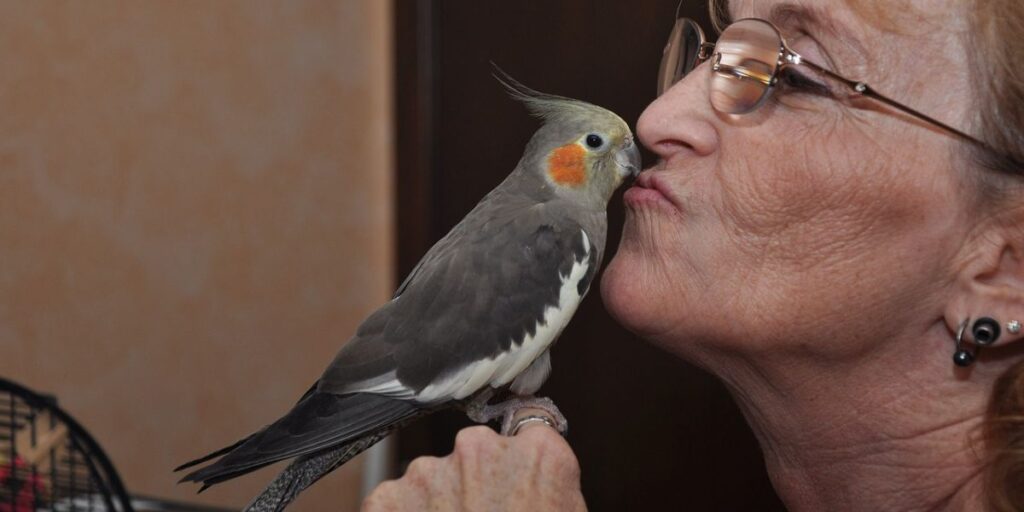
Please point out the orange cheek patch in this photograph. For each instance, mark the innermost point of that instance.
(566, 165)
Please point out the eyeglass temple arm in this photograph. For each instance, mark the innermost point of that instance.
(704, 51)
(866, 90)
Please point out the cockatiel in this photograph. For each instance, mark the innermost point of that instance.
(477, 314)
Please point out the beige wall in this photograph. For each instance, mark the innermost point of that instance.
(194, 215)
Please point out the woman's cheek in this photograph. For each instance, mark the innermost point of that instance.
(801, 199)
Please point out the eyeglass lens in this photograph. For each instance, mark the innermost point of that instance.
(744, 64)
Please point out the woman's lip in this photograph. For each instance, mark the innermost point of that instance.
(649, 187)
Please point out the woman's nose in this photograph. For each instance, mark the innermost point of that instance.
(681, 119)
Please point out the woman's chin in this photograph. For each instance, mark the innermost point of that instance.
(630, 295)
(648, 282)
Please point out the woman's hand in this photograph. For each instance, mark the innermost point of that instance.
(534, 471)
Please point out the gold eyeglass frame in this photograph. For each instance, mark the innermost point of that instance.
(687, 36)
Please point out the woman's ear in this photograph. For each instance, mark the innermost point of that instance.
(990, 283)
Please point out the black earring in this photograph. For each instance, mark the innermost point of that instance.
(962, 357)
(985, 331)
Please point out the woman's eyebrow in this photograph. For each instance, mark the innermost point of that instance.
(788, 15)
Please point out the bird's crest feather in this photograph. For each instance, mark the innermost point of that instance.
(548, 107)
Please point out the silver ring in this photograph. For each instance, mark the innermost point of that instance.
(960, 331)
(530, 419)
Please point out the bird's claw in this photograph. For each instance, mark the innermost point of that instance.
(479, 411)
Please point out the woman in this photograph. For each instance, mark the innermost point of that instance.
(838, 257)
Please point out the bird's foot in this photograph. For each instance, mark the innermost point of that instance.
(479, 411)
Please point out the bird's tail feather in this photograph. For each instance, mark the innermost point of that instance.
(306, 470)
(218, 453)
(228, 449)
(319, 422)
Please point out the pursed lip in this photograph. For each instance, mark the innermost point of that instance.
(652, 181)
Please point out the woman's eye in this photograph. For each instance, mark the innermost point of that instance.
(792, 79)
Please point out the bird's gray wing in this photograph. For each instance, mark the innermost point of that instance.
(481, 289)
(319, 421)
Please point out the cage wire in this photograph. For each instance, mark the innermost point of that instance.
(48, 461)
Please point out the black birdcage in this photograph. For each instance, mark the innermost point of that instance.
(48, 461)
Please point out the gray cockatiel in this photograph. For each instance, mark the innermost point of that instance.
(477, 314)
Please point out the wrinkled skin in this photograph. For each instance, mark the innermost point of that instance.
(536, 469)
(788, 217)
(817, 256)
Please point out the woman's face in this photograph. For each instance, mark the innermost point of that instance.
(810, 225)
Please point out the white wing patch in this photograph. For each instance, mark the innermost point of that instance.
(500, 370)
(386, 385)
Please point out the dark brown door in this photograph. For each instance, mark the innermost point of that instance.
(651, 433)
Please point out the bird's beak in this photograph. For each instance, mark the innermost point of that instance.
(628, 159)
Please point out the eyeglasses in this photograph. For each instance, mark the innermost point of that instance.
(746, 64)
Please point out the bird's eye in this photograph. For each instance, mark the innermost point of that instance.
(594, 141)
